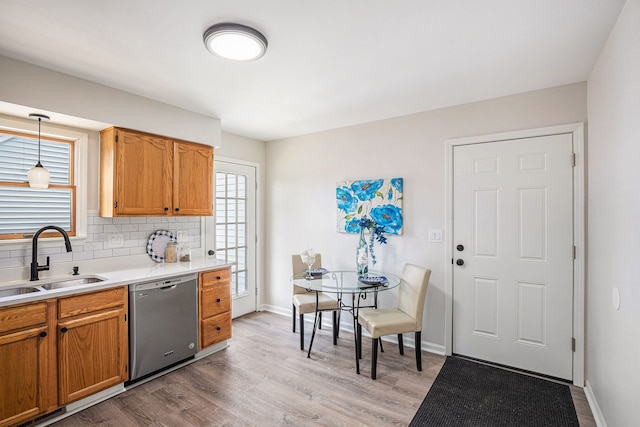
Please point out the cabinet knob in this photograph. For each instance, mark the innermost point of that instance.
(177, 209)
(218, 328)
(218, 277)
(43, 334)
(218, 300)
(166, 209)
(63, 330)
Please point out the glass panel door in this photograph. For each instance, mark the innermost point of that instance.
(234, 230)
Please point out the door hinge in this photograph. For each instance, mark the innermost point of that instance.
(115, 205)
(573, 344)
(125, 317)
(574, 251)
(573, 159)
(116, 137)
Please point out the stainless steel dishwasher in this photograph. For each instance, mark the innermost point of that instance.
(163, 324)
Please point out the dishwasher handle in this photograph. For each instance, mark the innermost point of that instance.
(165, 285)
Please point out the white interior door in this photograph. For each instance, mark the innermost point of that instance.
(513, 230)
(231, 232)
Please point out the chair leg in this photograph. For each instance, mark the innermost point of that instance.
(359, 341)
(301, 331)
(334, 316)
(381, 349)
(294, 318)
(374, 357)
(320, 321)
(400, 344)
(419, 350)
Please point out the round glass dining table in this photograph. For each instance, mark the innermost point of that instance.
(351, 290)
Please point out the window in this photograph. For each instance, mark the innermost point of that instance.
(231, 227)
(24, 210)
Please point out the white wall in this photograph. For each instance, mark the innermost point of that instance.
(302, 173)
(613, 337)
(39, 88)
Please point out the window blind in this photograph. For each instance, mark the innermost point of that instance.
(24, 210)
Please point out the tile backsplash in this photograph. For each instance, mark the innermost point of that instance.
(135, 232)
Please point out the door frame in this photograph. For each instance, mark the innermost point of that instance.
(210, 230)
(577, 131)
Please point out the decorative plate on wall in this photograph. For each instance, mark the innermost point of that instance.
(157, 244)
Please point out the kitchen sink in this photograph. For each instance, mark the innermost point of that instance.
(20, 290)
(76, 281)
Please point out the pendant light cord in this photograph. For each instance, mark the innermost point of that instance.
(39, 122)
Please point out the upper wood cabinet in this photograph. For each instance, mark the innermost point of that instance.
(143, 174)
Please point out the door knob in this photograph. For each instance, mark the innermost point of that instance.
(460, 261)
(211, 252)
(460, 248)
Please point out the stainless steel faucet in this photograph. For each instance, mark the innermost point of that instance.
(35, 268)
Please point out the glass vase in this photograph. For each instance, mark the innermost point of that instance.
(362, 255)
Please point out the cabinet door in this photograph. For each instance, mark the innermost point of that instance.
(192, 179)
(27, 362)
(92, 354)
(144, 174)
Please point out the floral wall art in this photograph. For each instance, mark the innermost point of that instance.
(377, 199)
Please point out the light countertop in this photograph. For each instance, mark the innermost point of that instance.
(112, 279)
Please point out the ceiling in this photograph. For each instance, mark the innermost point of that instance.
(330, 63)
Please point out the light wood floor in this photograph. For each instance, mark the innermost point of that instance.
(263, 379)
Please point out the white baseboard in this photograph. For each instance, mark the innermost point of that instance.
(593, 404)
(275, 309)
(348, 327)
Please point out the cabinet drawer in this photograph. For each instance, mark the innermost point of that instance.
(23, 316)
(215, 277)
(215, 329)
(94, 301)
(215, 300)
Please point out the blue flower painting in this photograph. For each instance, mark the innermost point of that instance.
(378, 199)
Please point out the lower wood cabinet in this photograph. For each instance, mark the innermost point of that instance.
(28, 381)
(92, 343)
(54, 352)
(214, 306)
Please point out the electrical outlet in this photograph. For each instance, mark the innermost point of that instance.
(183, 236)
(435, 236)
(115, 241)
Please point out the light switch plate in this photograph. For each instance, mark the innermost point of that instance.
(435, 236)
(183, 236)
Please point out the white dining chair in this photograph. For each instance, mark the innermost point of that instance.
(304, 302)
(406, 317)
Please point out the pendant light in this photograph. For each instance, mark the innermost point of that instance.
(38, 175)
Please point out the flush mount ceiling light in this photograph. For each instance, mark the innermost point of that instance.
(235, 41)
(38, 175)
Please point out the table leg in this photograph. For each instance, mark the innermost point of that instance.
(315, 326)
(355, 330)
